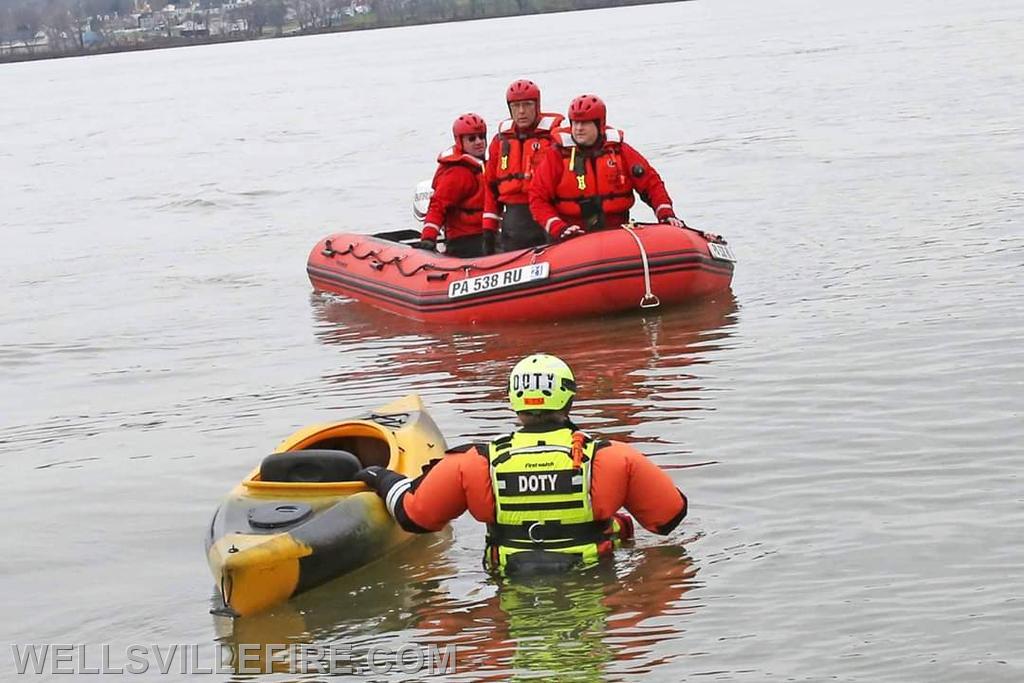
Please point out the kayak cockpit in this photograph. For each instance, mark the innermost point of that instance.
(326, 459)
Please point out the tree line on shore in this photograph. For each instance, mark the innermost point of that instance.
(75, 26)
(43, 28)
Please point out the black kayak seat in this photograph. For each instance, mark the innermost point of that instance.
(319, 466)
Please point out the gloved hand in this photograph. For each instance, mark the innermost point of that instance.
(370, 475)
(378, 478)
(622, 526)
(428, 245)
(676, 222)
(488, 242)
(569, 232)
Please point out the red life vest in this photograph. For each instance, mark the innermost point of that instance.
(465, 218)
(601, 176)
(517, 157)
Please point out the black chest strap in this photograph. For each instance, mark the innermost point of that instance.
(552, 534)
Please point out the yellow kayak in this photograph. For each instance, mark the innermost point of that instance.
(299, 519)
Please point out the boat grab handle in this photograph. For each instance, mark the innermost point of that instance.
(649, 300)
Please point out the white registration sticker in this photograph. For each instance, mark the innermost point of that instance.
(498, 280)
(721, 252)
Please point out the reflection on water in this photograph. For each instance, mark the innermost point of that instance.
(362, 609)
(631, 369)
(576, 627)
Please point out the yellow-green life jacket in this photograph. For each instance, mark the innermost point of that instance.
(542, 501)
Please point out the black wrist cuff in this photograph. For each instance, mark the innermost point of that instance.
(387, 480)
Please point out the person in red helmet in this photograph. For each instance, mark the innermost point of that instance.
(516, 150)
(458, 200)
(586, 182)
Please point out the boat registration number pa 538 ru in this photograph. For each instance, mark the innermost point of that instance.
(498, 280)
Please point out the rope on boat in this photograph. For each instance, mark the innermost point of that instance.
(707, 236)
(649, 300)
(378, 264)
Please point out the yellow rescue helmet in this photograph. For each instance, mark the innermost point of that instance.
(540, 382)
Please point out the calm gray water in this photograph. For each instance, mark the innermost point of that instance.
(859, 396)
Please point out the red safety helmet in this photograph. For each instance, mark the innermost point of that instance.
(467, 124)
(588, 108)
(523, 90)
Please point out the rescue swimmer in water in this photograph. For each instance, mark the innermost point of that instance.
(549, 493)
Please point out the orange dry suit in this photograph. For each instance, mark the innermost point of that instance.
(550, 500)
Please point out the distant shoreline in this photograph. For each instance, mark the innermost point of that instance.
(165, 43)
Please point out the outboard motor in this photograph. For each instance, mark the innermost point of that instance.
(421, 200)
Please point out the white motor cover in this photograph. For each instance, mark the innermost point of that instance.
(421, 200)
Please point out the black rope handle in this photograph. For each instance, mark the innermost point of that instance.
(720, 240)
(397, 261)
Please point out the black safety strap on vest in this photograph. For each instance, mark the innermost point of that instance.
(579, 164)
(503, 449)
(598, 198)
(591, 213)
(551, 535)
(613, 195)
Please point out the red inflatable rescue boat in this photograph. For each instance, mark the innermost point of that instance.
(636, 266)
